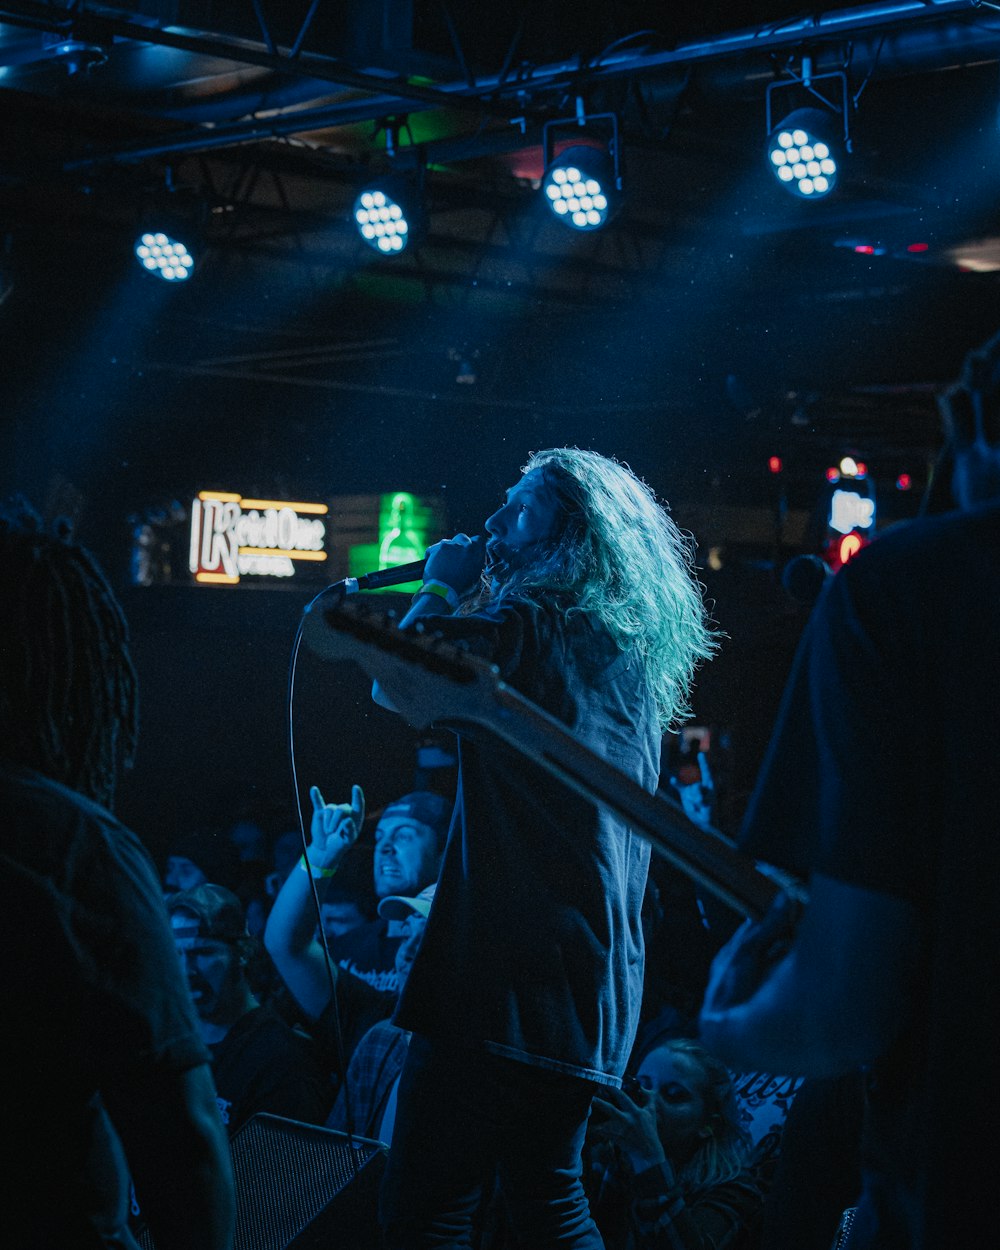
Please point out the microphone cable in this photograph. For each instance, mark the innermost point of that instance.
(340, 589)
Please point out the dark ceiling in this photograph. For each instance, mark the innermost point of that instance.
(714, 313)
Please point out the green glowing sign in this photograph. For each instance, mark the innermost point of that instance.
(407, 525)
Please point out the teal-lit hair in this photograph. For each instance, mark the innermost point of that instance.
(619, 556)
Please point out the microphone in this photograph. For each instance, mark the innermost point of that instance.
(384, 577)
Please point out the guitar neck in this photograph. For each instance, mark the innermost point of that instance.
(428, 681)
(705, 855)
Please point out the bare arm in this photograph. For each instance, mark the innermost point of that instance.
(178, 1155)
(290, 933)
(836, 999)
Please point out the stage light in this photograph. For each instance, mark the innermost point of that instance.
(388, 215)
(164, 255)
(774, 464)
(580, 187)
(803, 153)
(582, 184)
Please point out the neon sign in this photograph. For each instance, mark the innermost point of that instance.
(234, 537)
(851, 511)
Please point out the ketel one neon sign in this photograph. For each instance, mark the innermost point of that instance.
(233, 537)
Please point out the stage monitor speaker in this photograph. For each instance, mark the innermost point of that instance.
(301, 1187)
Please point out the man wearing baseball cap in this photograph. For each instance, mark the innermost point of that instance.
(409, 842)
(258, 1062)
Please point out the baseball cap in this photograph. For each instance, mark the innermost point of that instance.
(399, 906)
(423, 806)
(219, 911)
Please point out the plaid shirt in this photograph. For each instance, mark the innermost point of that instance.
(371, 1074)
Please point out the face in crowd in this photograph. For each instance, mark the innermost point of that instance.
(676, 1081)
(182, 874)
(214, 970)
(340, 917)
(407, 854)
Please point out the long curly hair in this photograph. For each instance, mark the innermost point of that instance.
(619, 556)
(68, 699)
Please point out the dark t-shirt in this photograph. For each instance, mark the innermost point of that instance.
(884, 773)
(369, 953)
(533, 947)
(96, 1008)
(360, 1006)
(263, 1065)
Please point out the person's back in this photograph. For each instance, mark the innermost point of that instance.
(106, 1074)
(90, 971)
(882, 781)
(935, 590)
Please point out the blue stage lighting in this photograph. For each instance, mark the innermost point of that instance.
(803, 153)
(579, 187)
(164, 256)
(387, 215)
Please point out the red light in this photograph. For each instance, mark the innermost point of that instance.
(917, 247)
(862, 469)
(832, 474)
(849, 547)
(774, 464)
(904, 481)
(864, 249)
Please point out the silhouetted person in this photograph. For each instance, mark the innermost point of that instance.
(105, 1073)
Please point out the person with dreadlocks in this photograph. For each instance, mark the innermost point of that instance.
(106, 1073)
(524, 998)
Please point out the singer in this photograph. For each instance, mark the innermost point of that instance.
(524, 998)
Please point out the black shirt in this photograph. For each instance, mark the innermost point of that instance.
(369, 952)
(96, 1008)
(884, 773)
(264, 1065)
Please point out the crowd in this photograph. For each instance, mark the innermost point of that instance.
(489, 977)
(682, 1159)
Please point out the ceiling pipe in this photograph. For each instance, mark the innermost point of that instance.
(490, 94)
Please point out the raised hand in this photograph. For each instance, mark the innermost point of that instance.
(335, 827)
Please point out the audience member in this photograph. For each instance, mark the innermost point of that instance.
(349, 901)
(409, 842)
(679, 1173)
(368, 1097)
(258, 1061)
(106, 1072)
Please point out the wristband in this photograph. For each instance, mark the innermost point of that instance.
(439, 588)
(316, 873)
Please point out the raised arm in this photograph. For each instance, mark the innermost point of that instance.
(291, 927)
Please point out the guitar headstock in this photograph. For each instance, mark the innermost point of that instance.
(426, 678)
